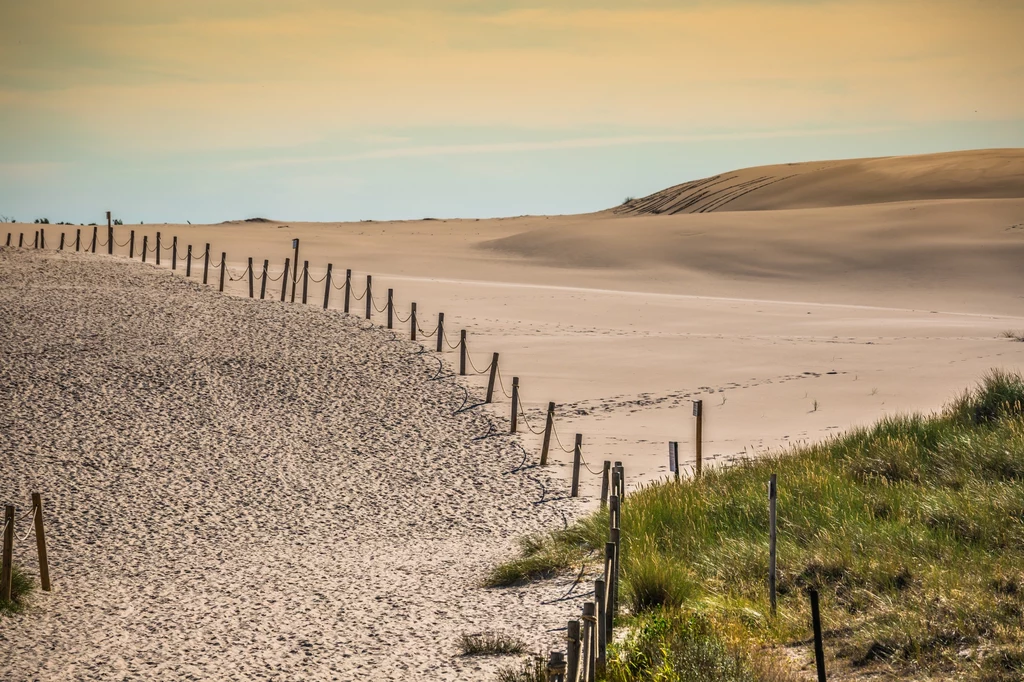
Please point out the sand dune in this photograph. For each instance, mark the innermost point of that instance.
(977, 174)
(245, 490)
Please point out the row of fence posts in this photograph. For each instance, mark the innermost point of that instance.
(348, 297)
(9, 536)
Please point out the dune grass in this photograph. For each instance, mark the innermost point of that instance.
(21, 586)
(911, 530)
(490, 644)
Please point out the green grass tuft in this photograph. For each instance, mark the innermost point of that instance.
(490, 644)
(530, 670)
(21, 587)
(911, 530)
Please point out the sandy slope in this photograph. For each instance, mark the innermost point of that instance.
(248, 490)
(975, 174)
(863, 310)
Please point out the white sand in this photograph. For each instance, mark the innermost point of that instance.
(248, 490)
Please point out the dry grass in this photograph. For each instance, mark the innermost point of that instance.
(490, 644)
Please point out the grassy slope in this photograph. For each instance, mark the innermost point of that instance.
(911, 530)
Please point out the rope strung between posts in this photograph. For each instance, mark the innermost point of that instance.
(4, 529)
(167, 248)
(241, 276)
(30, 512)
(359, 298)
(379, 310)
(446, 342)
(314, 279)
(485, 370)
(214, 265)
(558, 440)
(119, 244)
(425, 334)
(336, 285)
(584, 462)
(274, 279)
(28, 532)
(502, 384)
(527, 421)
(407, 317)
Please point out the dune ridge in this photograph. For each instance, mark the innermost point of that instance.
(975, 174)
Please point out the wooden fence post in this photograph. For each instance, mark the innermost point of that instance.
(556, 667)
(95, 237)
(600, 594)
(8, 239)
(42, 237)
(131, 245)
(110, 236)
(515, 403)
(327, 286)
(21, 239)
(305, 280)
(621, 482)
(223, 268)
(490, 380)
(284, 281)
(462, 352)
(609, 569)
(7, 569)
(819, 647)
(251, 276)
(391, 308)
(145, 246)
(61, 242)
(605, 472)
(78, 239)
(348, 288)
(206, 263)
(369, 296)
(440, 332)
(548, 425)
(158, 248)
(44, 565)
(772, 495)
(412, 319)
(577, 454)
(589, 620)
(35, 240)
(698, 440)
(616, 537)
(263, 279)
(572, 667)
(174, 252)
(188, 261)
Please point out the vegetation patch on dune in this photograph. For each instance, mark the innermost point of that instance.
(912, 531)
(21, 587)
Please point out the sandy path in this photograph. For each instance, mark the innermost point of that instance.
(248, 490)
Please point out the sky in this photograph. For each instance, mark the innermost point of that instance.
(211, 110)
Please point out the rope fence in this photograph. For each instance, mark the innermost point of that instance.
(10, 536)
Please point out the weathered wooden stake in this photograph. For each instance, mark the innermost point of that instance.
(819, 647)
(21, 239)
(391, 308)
(440, 332)
(131, 244)
(490, 380)
(284, 281)
(223, 268)
(95, 237)
(42, 237)
(251, 278)
(572, 667)
(206, 263)
(145, 246)
(78, 239)
(8, 239)
(348, 289)
(589, 620)
(621, 481)
(577, 454)
(613, 509)
(263, 279)
(616, 537)
(295, 273)
(7, 568)
(35, 240)
(412, 319)
(369, 296)
(462, 352)
(515, 403)
(556, 667)
(44, 565)
(772, 495)
(174, 252)
(188, 261)
(305, 280)
(609, 569)
(549, 423)
(327, 286)
(61, 242)
(158, 248)
(605, 474)
(698, 440)
(110, 236)
(600, 595)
